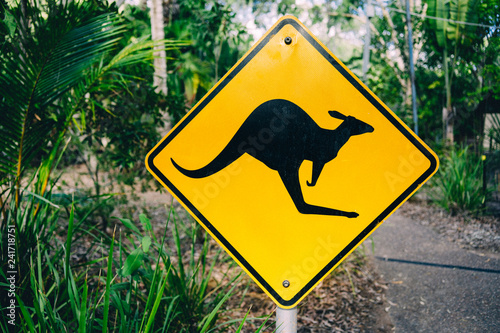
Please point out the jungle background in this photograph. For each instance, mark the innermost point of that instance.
(99, 246)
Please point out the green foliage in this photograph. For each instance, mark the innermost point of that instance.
(431, 94)
(124, 126)
(192, 302)
(45, 283)
(453, 10)
(59, 56)
(459, 182)
(463, 60)
(124, 123)
(128, 283)
(217, 42)
(41, 69)
(190, 283)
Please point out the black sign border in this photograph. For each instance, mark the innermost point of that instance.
(362, 90)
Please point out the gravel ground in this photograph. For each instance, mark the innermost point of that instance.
(480, 233)
(351, 299)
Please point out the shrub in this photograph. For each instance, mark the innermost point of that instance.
(459, 182)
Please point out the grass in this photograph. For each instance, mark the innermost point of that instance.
(129, 282)
(459, 182)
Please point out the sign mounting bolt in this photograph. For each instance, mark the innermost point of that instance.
(286, 283)
(288, 40)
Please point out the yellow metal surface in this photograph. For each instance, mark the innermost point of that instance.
(246, 206)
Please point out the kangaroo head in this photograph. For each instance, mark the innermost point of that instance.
(354, 125)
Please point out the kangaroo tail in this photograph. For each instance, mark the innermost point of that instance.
(227, 156)
(189, 173)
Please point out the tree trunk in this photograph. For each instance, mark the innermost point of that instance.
(369, 12)
(447, 111)
(143, 4)
(158, 33)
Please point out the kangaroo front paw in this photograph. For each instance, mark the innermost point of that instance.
(351, 214)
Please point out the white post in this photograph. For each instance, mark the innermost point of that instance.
(412, 69)
(370, 12)
(286, 320)
(158, 33)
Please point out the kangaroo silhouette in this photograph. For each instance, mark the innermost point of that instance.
(282, 135)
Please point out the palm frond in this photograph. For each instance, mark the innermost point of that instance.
(52, 70)
(52, 59)
(107, 76)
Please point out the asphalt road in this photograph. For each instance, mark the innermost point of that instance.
(433, 284)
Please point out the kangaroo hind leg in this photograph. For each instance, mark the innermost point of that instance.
(291, 181)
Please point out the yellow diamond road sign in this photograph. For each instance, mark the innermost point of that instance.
(290, 162)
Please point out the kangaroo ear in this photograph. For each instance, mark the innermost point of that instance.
(338, 115)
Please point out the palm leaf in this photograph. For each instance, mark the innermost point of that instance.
(448, 13)
(51, 73)
(458, 10)
(437, 8)
(107, 76)
(50, 61)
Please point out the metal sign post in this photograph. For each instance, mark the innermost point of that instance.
(286, 320)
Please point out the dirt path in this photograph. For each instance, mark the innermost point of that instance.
(435, 285)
